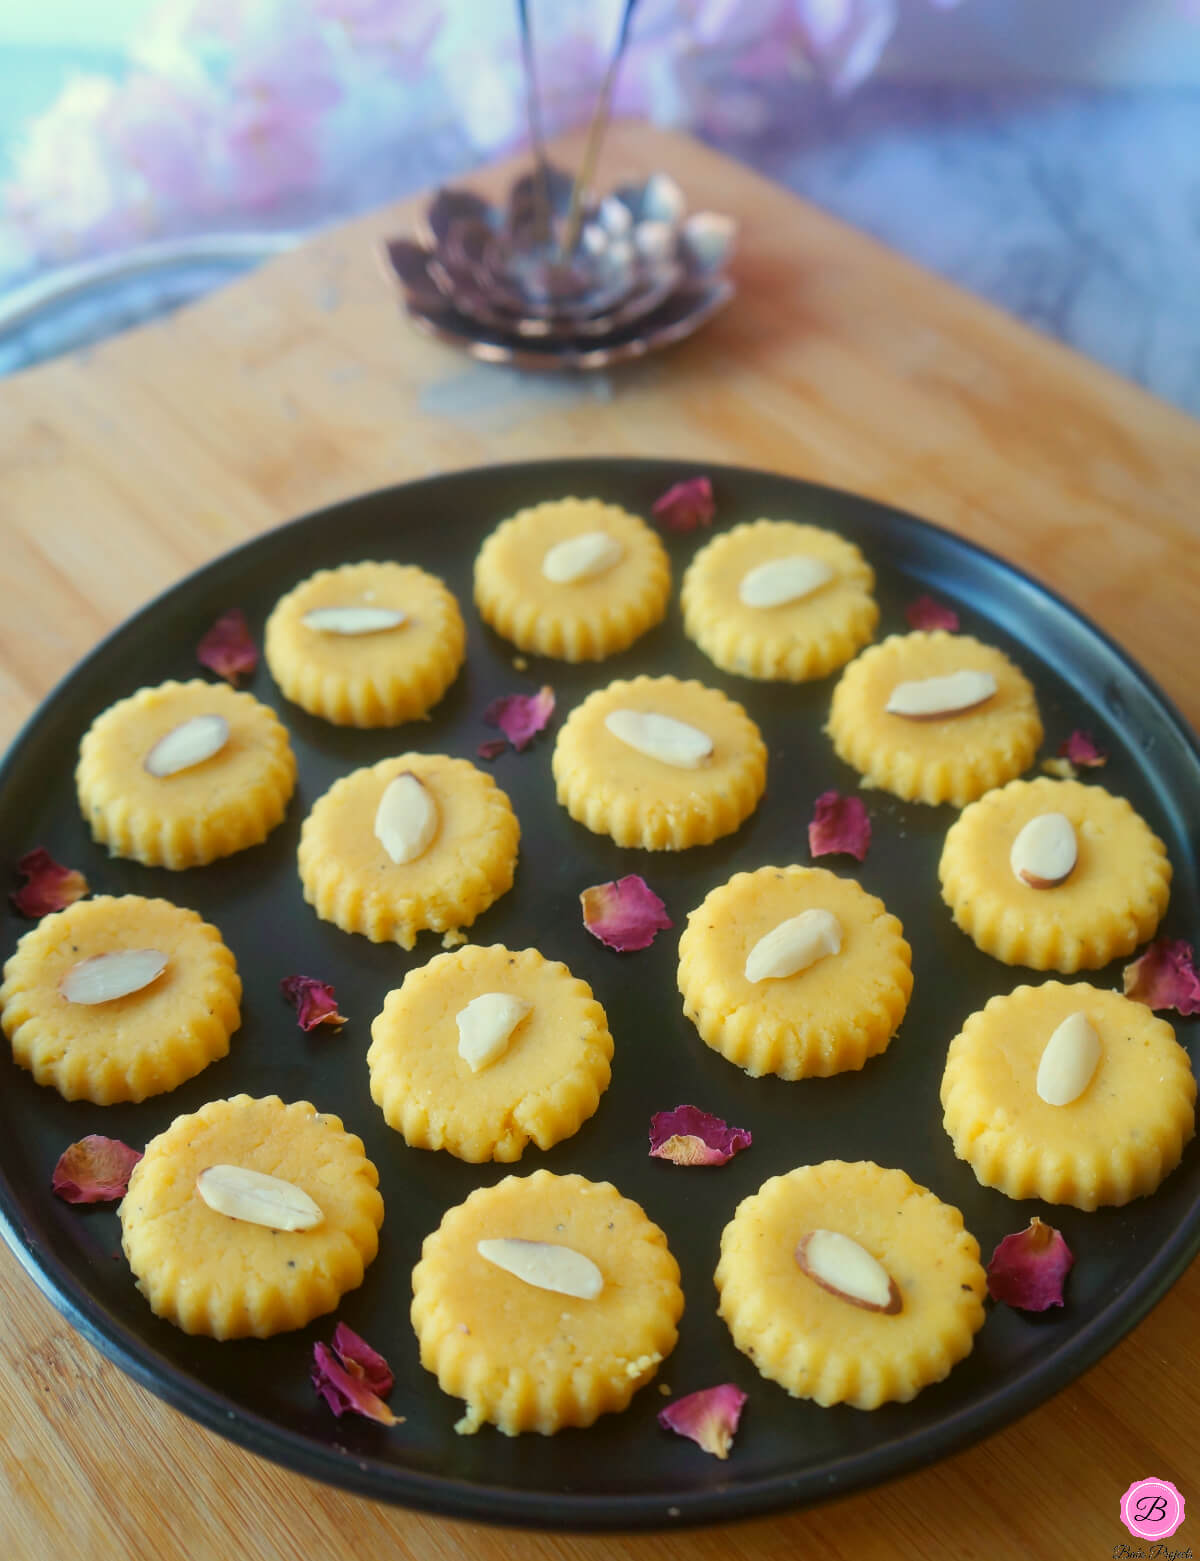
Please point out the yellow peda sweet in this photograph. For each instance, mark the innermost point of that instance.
(194, 814)
(814, 1341)
(212, 1273)
(952, 756)
(1112, 899)
(530, 1359)
(351, 879)
(572, 578)
(775, 599)
(537, 1053)
(335, 648)
(659, 763)
(825, 1017)
(1114, 1141)
(132, 1046)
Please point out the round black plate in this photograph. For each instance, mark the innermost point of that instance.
(624, 1471)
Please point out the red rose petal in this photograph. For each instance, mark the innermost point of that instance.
(521, 716)
(1165, 977)
(314, 1002)
(685, 506)
(49, 886)
(345, 1387)
(1028, 1269)
(352, 1347)
(625, 914)
(840, 826)
(710, 1417)
(227, 649)
(492, 748)
(927, 613)
(689, 1136)
(1081, 749)
(94, 1170)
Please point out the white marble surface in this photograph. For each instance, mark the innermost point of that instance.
(1077, 210)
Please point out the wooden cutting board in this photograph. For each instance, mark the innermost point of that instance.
(123, 468)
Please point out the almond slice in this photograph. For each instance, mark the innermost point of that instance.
(661, 737)
(794, 945)
(784, 580)
(848, 1271)
(1045, 852)
(189, 743)
(485, 1027)
(258, 1199)
(928, 698)
(546, 1266)
(105, 977)
(353, 620)
(582, 557)
(407, 818)
(1069, 1059)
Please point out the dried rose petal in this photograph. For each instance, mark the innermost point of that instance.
(1028, 1269)
(624, 915)
(1081, 749)
(1165, 977)
(840, 826)
(94, 1170)
(521, 716)
(689, 1136)
(49, 886)
(492, 748)
(227, 648)
(346, 1388)
(710, 1417)
(926, 613)
(685, 506)
(314, 1002)
(353, 1350)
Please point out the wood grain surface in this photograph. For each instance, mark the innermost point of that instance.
(123, 468)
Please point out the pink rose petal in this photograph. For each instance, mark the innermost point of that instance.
(227, 648)
(521, 716)
(1028, 1269)
(492, 748)
(1081, 749)
(624, 915)
(49, 886)
(840, 826)
(1165, 977)
(926, 613)
(314, 1002)
(350, 1346)
(94, 1170)
(689, 1136)
(345, 1387)
(710, 1417)
(685, 506)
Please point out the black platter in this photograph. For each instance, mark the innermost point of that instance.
(624, 1472)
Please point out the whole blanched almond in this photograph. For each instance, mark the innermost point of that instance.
(794, 945)
(927, 699)
(486, 1025)
(1045, 852)
(258, 1199)
(582, 557)
(353, 619)
(407, 818)
(661, 737)
(1069, 1059)
(105, 977)
(189, 743)
(848, 1271)
(546, 1266)
(783, 580)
